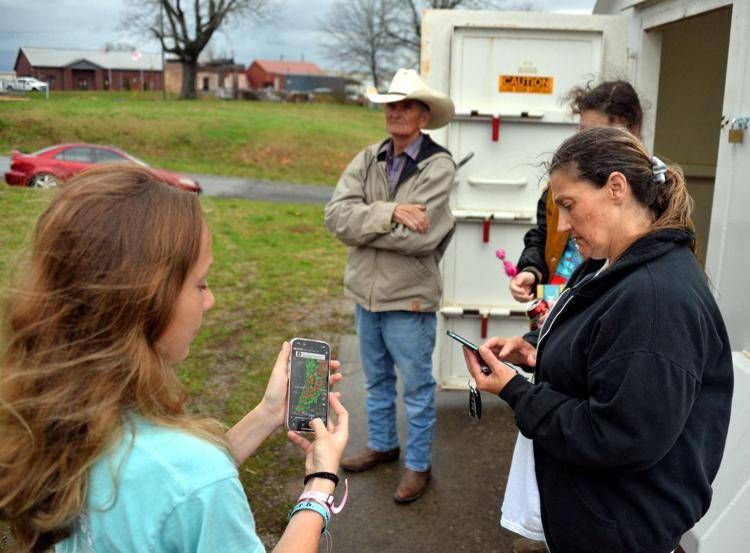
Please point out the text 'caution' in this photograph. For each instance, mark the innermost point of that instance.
(526, 84)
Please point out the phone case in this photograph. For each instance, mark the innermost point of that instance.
(289, 382)
(473, 347)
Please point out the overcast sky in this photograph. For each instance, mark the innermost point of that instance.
(292, 31)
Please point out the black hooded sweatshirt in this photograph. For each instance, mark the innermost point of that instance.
(630, 409)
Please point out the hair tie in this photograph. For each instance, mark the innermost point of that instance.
(660, 170)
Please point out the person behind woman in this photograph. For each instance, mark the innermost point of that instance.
(550, 256)
(97, 447)
(630, 408)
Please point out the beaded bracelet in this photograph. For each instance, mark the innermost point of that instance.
(322, 510)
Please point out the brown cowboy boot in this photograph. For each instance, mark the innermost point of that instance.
(413, 484)
(367, 458)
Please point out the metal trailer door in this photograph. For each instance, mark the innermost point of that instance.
(724, 527)
(508, 74)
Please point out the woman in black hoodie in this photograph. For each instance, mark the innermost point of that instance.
(633, 388)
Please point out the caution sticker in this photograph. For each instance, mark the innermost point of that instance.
(526, 84)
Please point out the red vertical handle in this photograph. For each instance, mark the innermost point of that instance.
(484, 327)
(495, 129)
(486, 230)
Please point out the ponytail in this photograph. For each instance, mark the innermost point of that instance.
(673, 204)
(595, 153)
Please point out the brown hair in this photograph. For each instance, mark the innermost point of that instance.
(614, 99)
(109, 257)
(594, 154)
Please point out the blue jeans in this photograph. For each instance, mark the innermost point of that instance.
(407, 339)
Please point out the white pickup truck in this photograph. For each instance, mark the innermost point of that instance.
(22, 84)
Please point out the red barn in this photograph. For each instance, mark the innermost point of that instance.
(91, 69)
(273, 73)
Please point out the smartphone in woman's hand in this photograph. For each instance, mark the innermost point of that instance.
(307, 397)
(473, 347)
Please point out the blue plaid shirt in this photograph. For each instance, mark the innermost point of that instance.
(394, 164)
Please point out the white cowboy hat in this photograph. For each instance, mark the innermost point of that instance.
(408, 85)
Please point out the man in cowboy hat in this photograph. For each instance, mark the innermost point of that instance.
(391, 207)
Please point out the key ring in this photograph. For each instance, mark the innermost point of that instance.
(475, 401)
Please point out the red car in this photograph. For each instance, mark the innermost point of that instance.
(51, 166)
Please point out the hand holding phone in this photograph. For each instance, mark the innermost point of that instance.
(307, 397)
(473, 347)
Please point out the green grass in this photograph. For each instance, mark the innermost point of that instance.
(276, 274)
(305, 143)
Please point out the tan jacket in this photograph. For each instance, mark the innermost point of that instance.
(391, 268)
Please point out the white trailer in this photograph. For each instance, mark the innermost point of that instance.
(507, 73)
(689, 60)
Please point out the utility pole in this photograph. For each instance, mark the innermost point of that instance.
(161, 42)
(235, 86)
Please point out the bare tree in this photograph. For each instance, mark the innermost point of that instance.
(405, 24)
(186, 30)
(380, 35)
(357, 36)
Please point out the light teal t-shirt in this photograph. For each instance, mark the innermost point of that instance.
(163, 490)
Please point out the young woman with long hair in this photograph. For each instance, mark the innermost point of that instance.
(98, 452)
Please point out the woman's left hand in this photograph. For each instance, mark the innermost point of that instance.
(274, 399)
(497, 379)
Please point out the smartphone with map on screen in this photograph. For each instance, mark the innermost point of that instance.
(307, 396)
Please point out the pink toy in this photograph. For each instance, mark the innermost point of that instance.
(510, 269)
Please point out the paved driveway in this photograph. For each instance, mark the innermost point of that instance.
(460, 513)
(273, 191)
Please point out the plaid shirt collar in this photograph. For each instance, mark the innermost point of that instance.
(412, 150)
